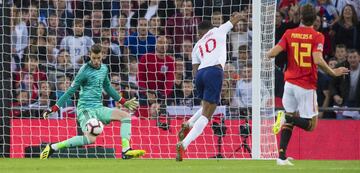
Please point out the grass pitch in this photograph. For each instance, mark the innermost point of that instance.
(170, 166)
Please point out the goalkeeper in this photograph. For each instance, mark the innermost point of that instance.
(92, 78)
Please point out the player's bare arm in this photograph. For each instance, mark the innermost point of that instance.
(318, 60)
(236, 17)
(274, 51)
(195, 68)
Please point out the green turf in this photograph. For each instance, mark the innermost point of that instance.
(170, 166)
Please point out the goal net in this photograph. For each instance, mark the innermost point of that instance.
(147, 47)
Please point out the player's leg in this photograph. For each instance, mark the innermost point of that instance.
(200, 87)
(308, 110)
(200, 124)
(125, 131)
(290, 104)
(210, 98)
(83, 117)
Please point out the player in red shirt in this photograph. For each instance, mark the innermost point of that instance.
(304, 47)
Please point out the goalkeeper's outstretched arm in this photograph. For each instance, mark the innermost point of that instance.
(75, 85)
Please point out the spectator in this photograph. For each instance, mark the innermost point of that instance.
(141, 42)
(332, 63)
(63, 61)
(109, 58)
(231, 74)
(157, 71)
(63, 83)
(319, 26)
(244, 89)
(168, 8)
(77, 45)
(147, 9)
(133, 70)
(217, 19)
(126, 10)
(61, 9)
(328, 11)
(280, 27)
(118, 40)
(19, 34)
(340, 53)
(27, 83)
(312, 2)
(243, 58)
(183, 25)
(340, 4)
(51, 47)
(239, 36)
(294, 15)
(155, 26)
(115, 82)
(345, 90)
(33, 15)
(178, 85)
(22, 100)
(323, 92)
(346, 31)
(187, 98)
(94, 30)
(186, 56)
(106, 33)
(45, 96)
(41, 44)
(287, 3)
(30, 67)
(54, 27)
(227, 94)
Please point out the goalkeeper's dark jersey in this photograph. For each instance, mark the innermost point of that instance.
(91, 81)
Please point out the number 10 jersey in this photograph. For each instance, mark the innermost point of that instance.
(210, 50)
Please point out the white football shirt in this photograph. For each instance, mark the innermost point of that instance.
(77, 47)
(210, 50)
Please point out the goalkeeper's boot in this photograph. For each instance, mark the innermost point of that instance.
(180, 152)
(185, 129)
(280, 120)
(47, 152)
(285, 162)
(130, 154)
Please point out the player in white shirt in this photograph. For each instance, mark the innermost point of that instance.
(208, 59)
(77, 45)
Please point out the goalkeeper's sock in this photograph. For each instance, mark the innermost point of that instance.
(72, 142)
(284, 140)
(195, 117)
(198, 128)
(125, 132)
(298, 121)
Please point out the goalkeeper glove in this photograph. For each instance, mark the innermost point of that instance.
(50, 111)
(131, 104)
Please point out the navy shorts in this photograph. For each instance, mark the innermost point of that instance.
(208, 83)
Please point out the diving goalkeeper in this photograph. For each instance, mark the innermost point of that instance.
(92, 78)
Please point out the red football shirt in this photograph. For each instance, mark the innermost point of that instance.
(156, 73)
(300, 43)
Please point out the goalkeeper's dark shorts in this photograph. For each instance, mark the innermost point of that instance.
(208, 83)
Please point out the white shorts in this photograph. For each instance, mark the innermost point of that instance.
(299, 99)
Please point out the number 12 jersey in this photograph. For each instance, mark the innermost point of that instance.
(300, 43)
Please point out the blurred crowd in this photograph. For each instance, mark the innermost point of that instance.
(147, 46)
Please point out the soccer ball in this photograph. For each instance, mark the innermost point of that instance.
(94, 126)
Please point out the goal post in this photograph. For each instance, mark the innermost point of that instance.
(264, 142)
